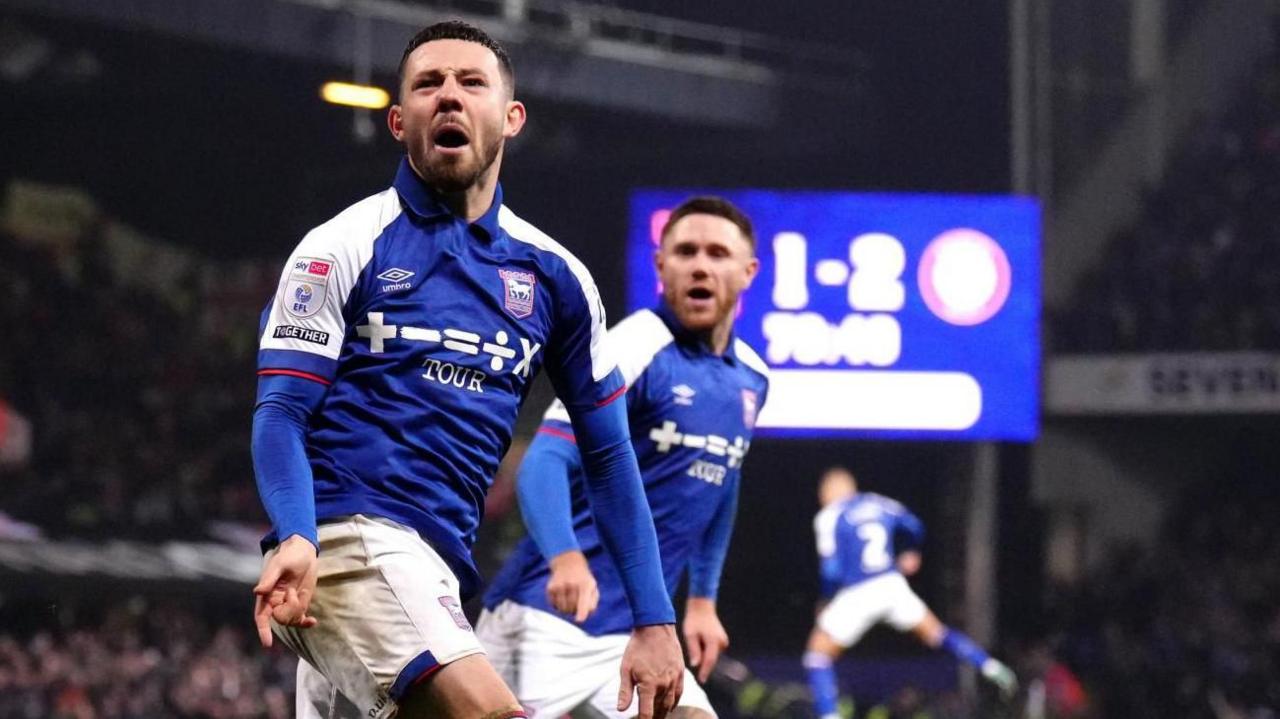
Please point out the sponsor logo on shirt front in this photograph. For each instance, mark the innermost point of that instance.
(503, 352)
(668, 436)
(709, 472)
(291, 332)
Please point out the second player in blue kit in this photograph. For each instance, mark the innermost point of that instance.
(866, 544)
(556, 617)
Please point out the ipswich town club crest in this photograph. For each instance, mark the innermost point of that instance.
(517, 292)
(750, 402)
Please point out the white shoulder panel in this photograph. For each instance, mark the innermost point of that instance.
(636, 340)
(601, 363)
(749, 357)
(320, 274)
(633, 343)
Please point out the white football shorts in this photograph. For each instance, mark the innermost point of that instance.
(388, 614)
(886, 598)
(555, 668)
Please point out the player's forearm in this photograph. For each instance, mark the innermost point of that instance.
(699, 606)
(708, 561)
(280, 464)
(542, 485)
(621, 511)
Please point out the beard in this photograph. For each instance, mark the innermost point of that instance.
(449, 176)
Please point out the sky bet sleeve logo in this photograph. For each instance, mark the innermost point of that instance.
(518, 292)
(308, 283)
(319, 268)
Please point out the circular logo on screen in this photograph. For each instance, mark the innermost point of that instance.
(964, 277)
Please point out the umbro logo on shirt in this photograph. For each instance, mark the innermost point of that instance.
(684, 394)
(396, 278)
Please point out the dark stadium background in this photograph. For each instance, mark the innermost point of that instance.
(228, 154)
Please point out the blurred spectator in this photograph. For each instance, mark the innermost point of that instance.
(1191, 629)
(1200, 269)
(138, 392)
(134, 660)
(15, 437)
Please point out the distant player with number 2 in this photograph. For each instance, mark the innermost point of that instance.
(866, 544)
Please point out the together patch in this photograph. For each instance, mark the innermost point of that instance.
(301, 333)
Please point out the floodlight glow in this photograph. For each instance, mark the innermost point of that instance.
(345, 93)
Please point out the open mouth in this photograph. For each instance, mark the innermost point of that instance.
(699, 293)
(450, 137)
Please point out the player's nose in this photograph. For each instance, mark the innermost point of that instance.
(449, 96)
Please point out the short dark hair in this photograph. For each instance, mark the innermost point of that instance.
(712, 205)
(459, 30)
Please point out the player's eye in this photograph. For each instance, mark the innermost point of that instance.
(474, 82)
(426, 82)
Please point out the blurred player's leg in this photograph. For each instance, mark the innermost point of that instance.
(937, 635)
(842, 623)
(819, 665)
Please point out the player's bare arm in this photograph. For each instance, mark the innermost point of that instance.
(572, 587)
(704, 635)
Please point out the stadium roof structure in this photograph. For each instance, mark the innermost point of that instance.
(594, 54)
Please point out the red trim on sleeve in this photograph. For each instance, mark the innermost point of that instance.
(555, 432)
(430, 672)
(295, 373)
(621, 391)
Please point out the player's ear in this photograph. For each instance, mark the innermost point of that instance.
(395, 122)
(516, 116)
(752, 269)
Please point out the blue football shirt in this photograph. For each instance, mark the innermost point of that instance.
(429, 331)
(691, 414)
(860, 537)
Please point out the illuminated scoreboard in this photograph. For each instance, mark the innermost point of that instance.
(883, 316)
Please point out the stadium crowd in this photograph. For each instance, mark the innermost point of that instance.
(139, 394)
(138, 659)
(1189, 628)
(1200, 269)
